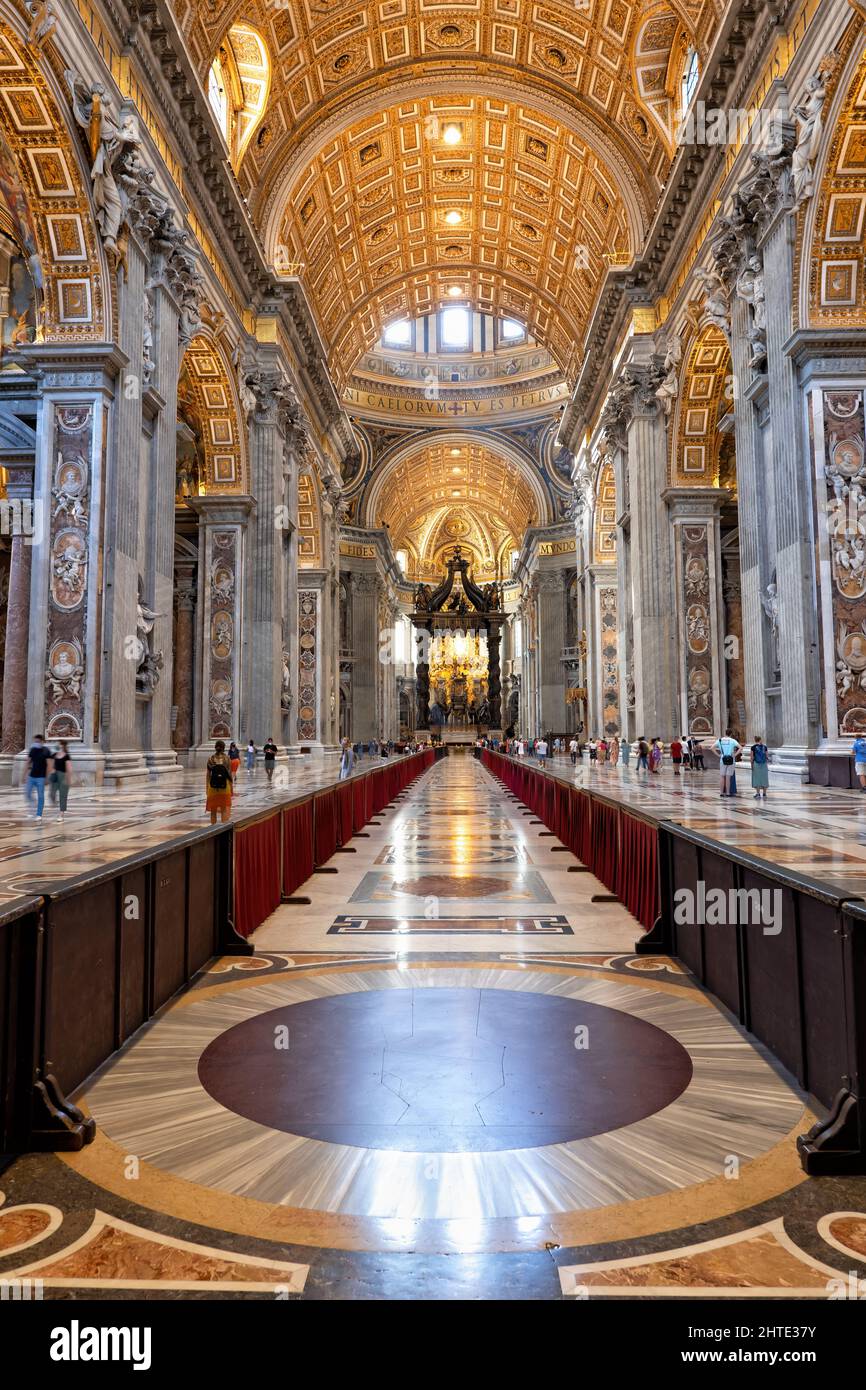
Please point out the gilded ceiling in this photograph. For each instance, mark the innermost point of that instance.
(457, 492)
(565, 151)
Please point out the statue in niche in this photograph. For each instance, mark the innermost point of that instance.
(770, 605)
(148, 363)
(150, 662)
(718, 303)
(750, 287)
(286, 683)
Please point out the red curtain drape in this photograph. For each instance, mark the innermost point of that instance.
(297, 846)
(325, 816)
(359, 802)
(637, 883)
(604, 841)
(345, 805)
(257, 873)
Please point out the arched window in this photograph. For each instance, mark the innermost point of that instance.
(219, 97)
(691, 77)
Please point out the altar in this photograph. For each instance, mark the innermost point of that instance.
(458, 628)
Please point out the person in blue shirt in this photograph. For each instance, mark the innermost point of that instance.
(727, 749)
(860, 759)
(760, 769)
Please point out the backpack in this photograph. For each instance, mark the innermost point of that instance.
(759, 753)
(218, 777)
(643, 748)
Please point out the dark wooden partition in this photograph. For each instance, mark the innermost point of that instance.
(20, 934)
(796, 981)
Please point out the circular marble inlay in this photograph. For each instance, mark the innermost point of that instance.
(445, 1070)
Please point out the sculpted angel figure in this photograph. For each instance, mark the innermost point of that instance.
(810, 126)
(113, 145)
(717, 305)
(43, 22)
(670, 386)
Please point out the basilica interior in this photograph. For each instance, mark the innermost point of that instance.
(400, 385)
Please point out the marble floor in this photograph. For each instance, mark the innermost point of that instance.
(483, 1094)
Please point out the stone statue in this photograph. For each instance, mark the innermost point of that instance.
(718, 301)
(113, 146)
(770, 605)
(750, 287)
(810, 126)
(670, 387)
(286, 683)
(43, 22)
(148, 362)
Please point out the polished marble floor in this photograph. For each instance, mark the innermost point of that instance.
(484, 1093)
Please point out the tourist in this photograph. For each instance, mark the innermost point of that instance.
(642, 754)
(38, 760)
(347, 759)
(655, 756)
(218, 780)
(541, 750)
(270, 752)
(593, 751)
(727, 749)
(234, 759)
(860, 760)
(760, 770)
(573, 749)
(602, 751)
(697, 756)
(251, 758)
(677, 755)
(613, 751)
(625, 751)
(62, 776)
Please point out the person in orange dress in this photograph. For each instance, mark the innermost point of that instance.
(218, 780)
(234, 760)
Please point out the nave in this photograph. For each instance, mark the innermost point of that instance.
(484, 1094)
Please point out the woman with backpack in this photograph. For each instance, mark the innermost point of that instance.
(760, 770)
(234, 759)
(219, 784)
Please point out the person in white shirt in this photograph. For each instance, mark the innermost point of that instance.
(572, 748)
(727, 749)
(541, 750)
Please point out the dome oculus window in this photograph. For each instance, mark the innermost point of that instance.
(510, 331)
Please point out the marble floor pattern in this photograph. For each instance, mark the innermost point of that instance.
(484, 1093)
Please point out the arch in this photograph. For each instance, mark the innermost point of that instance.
(659, 42)
(48, 199)
(388, 220)
(540, 507)
(705, 396)
(208, 395)
(245, 68)
(604, 515)
(832, 279)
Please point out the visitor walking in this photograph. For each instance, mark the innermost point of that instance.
(573, 748)
(218, 781)
(541, 750)
(860, 760)
(697, 755)
(676, 755)
(347, 759)
(602, 751)
(760, 769)
(613, 751)
(655, 756)
(234, 759)
(727, 749)
(251, 758)
(270, 752)
(625, 752)
(38, 766)
(62, 776)
(593, 751)
(642, 754)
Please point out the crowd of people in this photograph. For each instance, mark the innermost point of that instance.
(686, 755)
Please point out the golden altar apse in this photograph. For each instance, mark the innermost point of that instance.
(458, 666)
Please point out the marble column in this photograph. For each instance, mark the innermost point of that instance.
(700, 639)
(653, 654)
(184, 663)
(365, 636)
(19, 489)
(221, 606)
(266, 616)
(551, 641)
